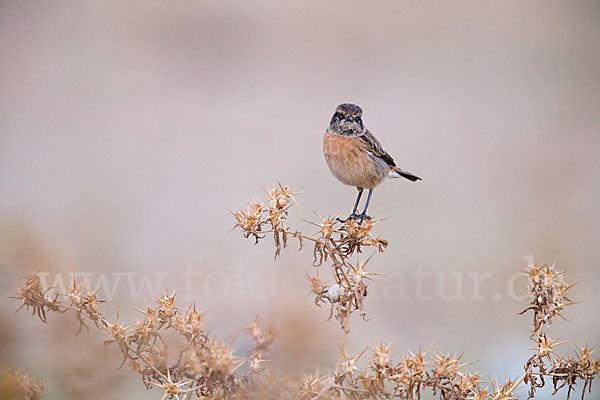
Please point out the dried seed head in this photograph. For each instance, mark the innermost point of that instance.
(262, 334)
(251, 220)
(166, 307)
(545, 345)
(548, 295)
(280, 197)
(382, 357)
(32, 294)
(190, 324)
(357, 235)
(310, 386)
(218, 361)
(504, 392)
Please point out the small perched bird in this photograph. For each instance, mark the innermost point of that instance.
(355, 157)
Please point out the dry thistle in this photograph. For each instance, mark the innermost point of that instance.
(32, 294)
(205, 366)
(548, 295)
(334, 242)
(262, 334)
(548, 298)
(209, 367)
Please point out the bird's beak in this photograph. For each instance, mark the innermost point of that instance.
(350, 118)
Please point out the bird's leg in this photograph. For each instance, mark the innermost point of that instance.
(364, 215)
(353, 214)
(360, 191)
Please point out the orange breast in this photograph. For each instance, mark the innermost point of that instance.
(350, 162)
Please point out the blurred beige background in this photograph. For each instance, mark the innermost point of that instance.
(128, 129)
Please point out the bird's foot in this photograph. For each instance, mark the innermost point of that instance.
(362, 217)
(351, 216)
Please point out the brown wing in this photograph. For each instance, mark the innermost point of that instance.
(376, 148)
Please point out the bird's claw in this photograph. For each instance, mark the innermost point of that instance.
(353, 216)
(362, 217)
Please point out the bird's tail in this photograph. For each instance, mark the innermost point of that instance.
(396, 172)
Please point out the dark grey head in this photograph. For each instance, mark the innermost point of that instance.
(347, 120)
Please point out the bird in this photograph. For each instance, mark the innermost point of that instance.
(355, 156)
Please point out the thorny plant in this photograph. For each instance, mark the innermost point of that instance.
(203, 367)
(334, 242)
(548, 298)
(206, 367)
(379, 376)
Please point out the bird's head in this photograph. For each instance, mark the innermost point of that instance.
(347, 120)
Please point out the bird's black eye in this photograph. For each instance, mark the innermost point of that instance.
(339, 116)
(358, 120)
